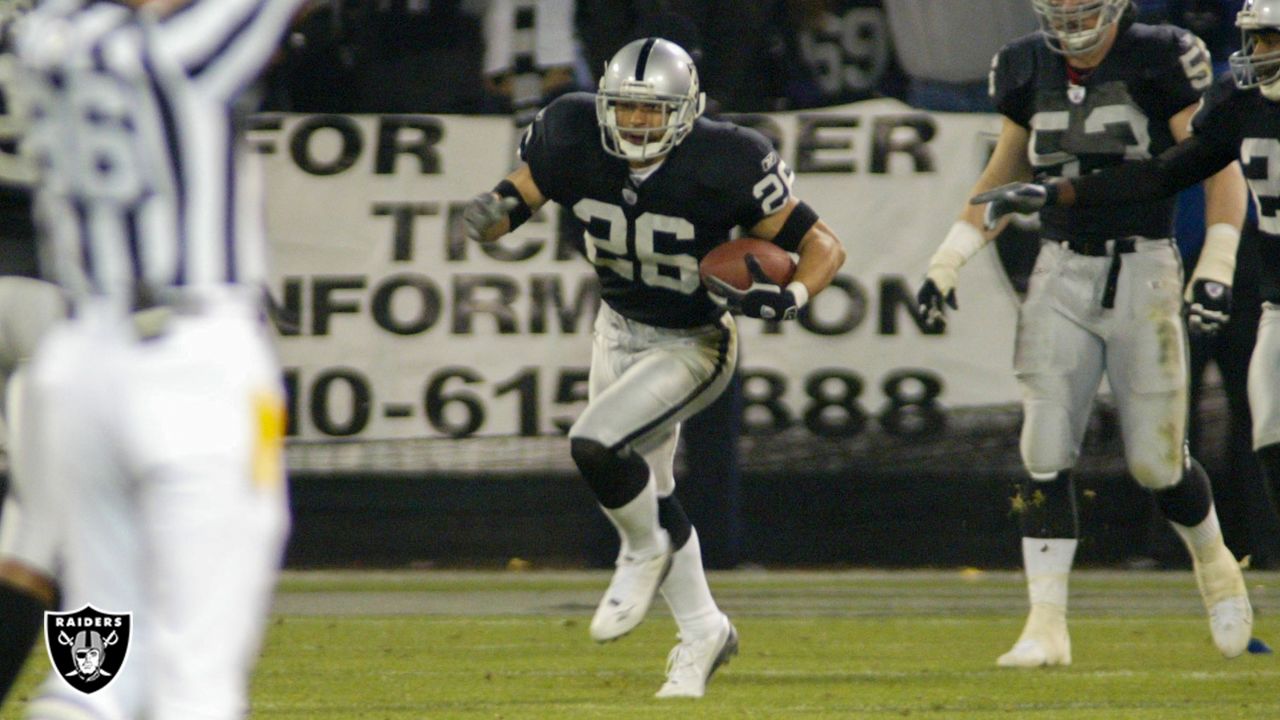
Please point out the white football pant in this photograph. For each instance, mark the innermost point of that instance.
(1066, 340)
(29, 520)
(1264, 379)
(170, 452)
(645, 380)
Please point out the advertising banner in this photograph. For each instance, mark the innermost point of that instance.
(392, 326)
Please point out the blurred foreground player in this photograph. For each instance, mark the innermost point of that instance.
(159, 406)
(657, 187)
(28, 307)
(1093, 90)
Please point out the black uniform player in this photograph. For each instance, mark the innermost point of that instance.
(1094, 89)
(1240, 119)
(657, 188)
(647, 236)
(28, 306)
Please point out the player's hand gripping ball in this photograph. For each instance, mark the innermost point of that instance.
(750, 276)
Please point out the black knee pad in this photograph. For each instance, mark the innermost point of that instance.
(672, 519)
(1188, 502)
(1048, 507)
(616, 480)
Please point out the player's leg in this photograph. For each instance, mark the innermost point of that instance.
(1260, 534)
(1059, 365)
(1264, 395)
(29, 520)
(1147, 369)
(707, 637)
(207, 439)
(81, 400)
(625, 492)
(27, 543)
(644, 380)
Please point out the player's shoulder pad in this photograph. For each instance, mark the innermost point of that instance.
(1171, 48)
(562, 124)
(724, 152)
(1013, 69)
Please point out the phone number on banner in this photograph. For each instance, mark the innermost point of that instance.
(461, 402)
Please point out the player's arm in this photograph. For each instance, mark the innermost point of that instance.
(492, 214)
(1008, 163)
(223, 44)
(1178, 168)
(1208, 291)
(821, 253)
(794, 227)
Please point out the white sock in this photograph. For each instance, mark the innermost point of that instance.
(688, 594)
(1203, 539)
(637, 523)
(1047, 562)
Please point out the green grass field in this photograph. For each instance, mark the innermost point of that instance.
(857, 644)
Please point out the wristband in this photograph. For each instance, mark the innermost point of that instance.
(1218, 256)
(799, 291)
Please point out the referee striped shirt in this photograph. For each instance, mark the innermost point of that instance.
(142, 193)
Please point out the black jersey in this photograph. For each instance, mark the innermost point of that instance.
(646, 239)
(1235, 123)
(1120, 112)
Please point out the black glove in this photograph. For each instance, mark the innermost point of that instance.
(765, 299)
(1018, 197)
(929, 304)
(1210, 307)
(483, 212)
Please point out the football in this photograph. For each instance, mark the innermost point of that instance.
(728, 262)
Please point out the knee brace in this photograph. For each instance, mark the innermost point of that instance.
(1188, 502)
(614, 478)
(1048, 507)
(672, 519)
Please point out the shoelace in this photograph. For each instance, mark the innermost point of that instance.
(680, 660)
(626, 579)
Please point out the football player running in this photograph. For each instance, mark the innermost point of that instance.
(1094, 89)
(1239, 120)
(658, 186)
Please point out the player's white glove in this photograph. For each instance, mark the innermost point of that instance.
(484, 211)
(929, 305)
(1209, 308)
(765, 299)
(1019, 197)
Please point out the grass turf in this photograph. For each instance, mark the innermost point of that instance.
(814, 645)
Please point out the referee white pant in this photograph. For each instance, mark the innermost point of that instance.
(170, 451)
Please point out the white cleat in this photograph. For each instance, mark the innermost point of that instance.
(1044, 640)
(1227, 600)
(635, 582)
(692, 663)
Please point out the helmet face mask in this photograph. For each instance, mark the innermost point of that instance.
(1257, 63)
(1077, 27)
(647, 100)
